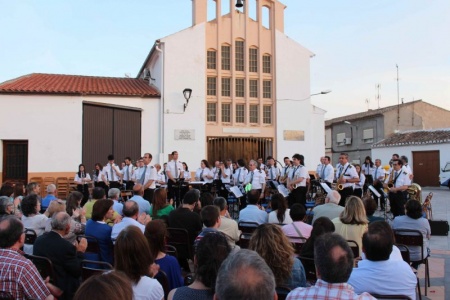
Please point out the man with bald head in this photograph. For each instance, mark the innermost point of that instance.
(66, 257)
(131, 216)
(331, 209)
(138, 192)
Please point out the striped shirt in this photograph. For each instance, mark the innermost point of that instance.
(20, 277)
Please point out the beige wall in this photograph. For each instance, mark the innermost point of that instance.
(417, 116)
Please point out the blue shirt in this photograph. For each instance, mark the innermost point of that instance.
(126, 221)
(45, 202)
(118, 207)
(144, 205)
(102, 232)
(253, 214)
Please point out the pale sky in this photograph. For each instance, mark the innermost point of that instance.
(357, 44)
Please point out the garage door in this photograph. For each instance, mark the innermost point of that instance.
(426, 167)
(110, 130)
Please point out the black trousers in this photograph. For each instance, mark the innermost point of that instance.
(397, 201)
(129, 184)
(346, 192)
(298, 195)
(148, 195)
(84, 189)
(358, 192)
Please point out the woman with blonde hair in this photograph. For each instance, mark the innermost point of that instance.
(274, 247)
(352, 223)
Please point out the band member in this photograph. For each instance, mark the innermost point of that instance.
(358, 188)
(225, 179)
(99, 177)
(229, 165)
(174, 171)
(261, 164)
(112, 173)
(397, 193)
(296, 181)
(378, 176)
(273, 173)
(346, 176)
(406, 166)
(328, 172)
(204, 173)
(216, 170)
(255, 177)
(138, 170)
(367, 170)
(82, 180)
(148, 178)
(285, 171)
(240, 173)
(160, 177)
(128, 171)
(186, 172)
(320, 168)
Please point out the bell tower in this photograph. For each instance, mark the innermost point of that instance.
(199, 11)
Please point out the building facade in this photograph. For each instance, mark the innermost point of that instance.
(356, 133)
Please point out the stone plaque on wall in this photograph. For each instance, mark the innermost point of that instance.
(294, 135)
(185, 134)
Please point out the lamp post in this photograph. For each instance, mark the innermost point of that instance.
(322, 93)
(187, 95)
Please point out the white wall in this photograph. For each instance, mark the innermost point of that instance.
(184, 65)
(294, 109)
(53, 126)
(385, 154)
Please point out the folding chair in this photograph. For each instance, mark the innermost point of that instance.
(244, 240)
(391, 297)
(247, 227)
(93, 248)
(310, 269)
(179, 238)
(282, 292)
(297, 242)
(43, 265)
(171, 250)
(91, 268)
(404, 251)
(355, 248)
(412, 237)
(126, 195)
(164, 281)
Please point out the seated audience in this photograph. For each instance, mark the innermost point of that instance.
(138, 193)
(112, 286)
(414, 220)
(65, 257)
(211, 251)
(297, 228)
(371, 206)
(31, 218)
(377, 274)
(334, 263)
(98, 193)
(274, 247)
(45, 202)
(156, 234)
(34, 188)
(352, 223)
(160, 207)
(97, 227)
(76, 212)
(331, 209)
(245, 275)
(321, 226)
(19, 192)
(253, 212)
(228, 226)
(6, 207)
(211, 221)
(130, 217)
(18, 275)
(280, 211)
(114, 195)
(132, 256)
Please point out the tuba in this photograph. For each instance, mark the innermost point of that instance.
(415, 192)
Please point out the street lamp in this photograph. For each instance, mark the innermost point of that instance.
(187, 95)
(322, 93)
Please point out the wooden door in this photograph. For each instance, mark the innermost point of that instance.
(426, 167)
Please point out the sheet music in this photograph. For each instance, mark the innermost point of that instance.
(283, 190)
(374, 191)
(236, 191)
(197, 182)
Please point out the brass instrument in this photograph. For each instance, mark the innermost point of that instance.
(340, 186)
(415, 192)
(390, 183)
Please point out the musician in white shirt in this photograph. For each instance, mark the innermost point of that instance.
(112, 173)
(204, 173)
(256, 177)
(148, 178)
(82, 180)
(328, 172)
(128, 171)
(216, 170)
(285, 171)
(358, 187)
(397, 193)
(320, 168)
(262, 166)
(378, 175)
(240, 173)
(160, 177)
(174, 171)
(273, 172)
(406, 166)
(346, 175)
(186, 172)
(296, 181)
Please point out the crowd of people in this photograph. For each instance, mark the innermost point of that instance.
(132, 235)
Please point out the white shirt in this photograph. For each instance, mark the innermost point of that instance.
(349, 173)
(328, 173)
(150, 174)
(401, 179)
(285, 170)
(78, 179)
(319, 169)
(257, 178)
(137, 174)
(367, 169)
(215, 172)
(378, 173)
(187, 175)
(407, 168)
(128, 171)
(274, 220)
(147, 289)
(362, 179)
(126, 221)
(297, 172)
(227, 172)
(262, 167)
(108, 171)
(239, 175)
(174, 168)
(161, 177)
(201, 174)
(272, 173)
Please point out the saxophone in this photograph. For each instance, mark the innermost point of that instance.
(340, 186)
(390, 183)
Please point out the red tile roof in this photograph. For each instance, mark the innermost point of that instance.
(416, 137)
(37, 83)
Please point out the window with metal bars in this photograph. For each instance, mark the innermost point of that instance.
(211, 112)
(267, 66)
(253, 60)
(211, 86)
(267, 114)
(226, 86)
(267, 89)
(211, 58)
(240, 113)
(226, 57)
(240, 89)
(226, 112)
(239, 55)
